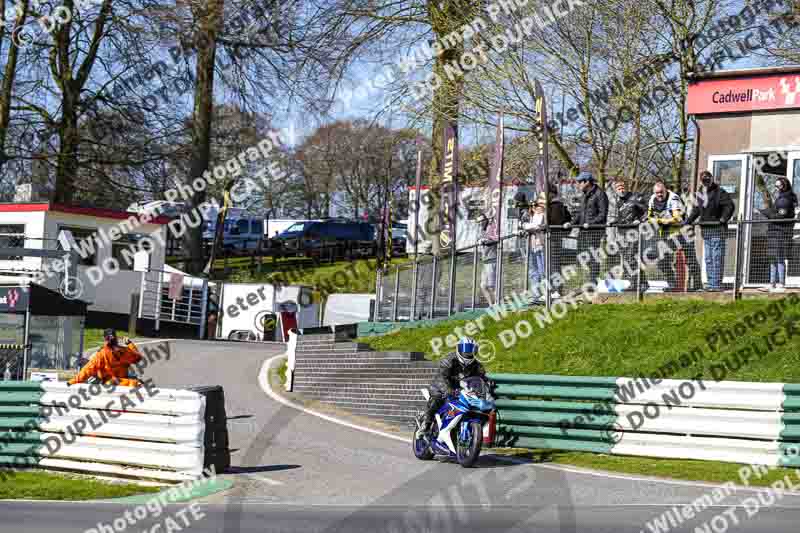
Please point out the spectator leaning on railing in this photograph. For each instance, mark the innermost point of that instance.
(630, 209)
(667, 211)
(593, 211)
(715, 207)
(534, 224)
(779, 234)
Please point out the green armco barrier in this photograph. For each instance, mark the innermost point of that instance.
(15, 393)
(579, 413)
(23, 450)
(20, 410)
(584, 393)
(11, 386)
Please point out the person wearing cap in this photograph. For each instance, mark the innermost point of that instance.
(111, 363)
(593, 211)
(629, 210)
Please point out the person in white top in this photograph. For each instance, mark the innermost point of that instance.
(536, 239)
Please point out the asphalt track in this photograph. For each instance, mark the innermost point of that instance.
(295, 472)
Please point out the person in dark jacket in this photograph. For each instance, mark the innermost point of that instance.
(454, 367)
(779, 234)
(593, 211)
(715, 207)
(630, 210)
(557, 212)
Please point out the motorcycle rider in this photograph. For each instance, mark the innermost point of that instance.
(453, 368)
(111, 363)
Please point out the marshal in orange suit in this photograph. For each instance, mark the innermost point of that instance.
(111, 363)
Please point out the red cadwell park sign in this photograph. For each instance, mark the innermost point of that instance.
(738, 95)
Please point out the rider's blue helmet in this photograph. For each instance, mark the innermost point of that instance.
(466, 350)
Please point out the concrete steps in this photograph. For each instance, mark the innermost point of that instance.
(381, 385)
(410, 391)
(383, 368)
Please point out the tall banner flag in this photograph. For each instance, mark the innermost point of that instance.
(494, 207)
(543, 165)
(449, 188)
(417, 192)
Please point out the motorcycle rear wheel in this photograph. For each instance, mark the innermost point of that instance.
(467, 453)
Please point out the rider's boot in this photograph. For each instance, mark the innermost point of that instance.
(425, 425)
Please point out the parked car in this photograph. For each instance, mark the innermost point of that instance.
(399, 237)
(326, 239)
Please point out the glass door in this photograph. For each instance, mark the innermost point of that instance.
(793, 268)
(730, 171)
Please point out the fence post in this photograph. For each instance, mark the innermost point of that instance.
(737, 257)
(396, 293)
(474, 277)
(132, 315)
(452, 288)
(498, 284)
(548, 266)
(414, 273)
(142, 288)
(26, 349)
(158, 302)
(378, 294)
(203, 310)
(527, 263)
(639, 264)
(433, 287)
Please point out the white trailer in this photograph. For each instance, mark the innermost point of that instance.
(243, 307)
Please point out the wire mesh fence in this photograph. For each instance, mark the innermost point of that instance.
(642, 259)
(772, 254)
(11, 364)
(514, 258)
(405, 288)
(424, 287)
(465, 279)
(441, 286)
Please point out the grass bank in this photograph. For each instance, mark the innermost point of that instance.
(633, 340)
(625, 340)
(46, 486)
(326, 278)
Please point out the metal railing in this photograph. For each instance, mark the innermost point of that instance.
(642, 260)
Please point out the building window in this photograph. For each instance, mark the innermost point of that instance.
(12, 236)
(87, 244)
(125, 260)
(131, 243)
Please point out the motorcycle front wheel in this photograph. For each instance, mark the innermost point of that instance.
(467, 451)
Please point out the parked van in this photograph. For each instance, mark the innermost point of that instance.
(328, 238)
(242, 230)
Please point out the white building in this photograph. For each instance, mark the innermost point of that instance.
(37, 225)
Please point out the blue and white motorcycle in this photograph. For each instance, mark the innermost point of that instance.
(458, 428)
